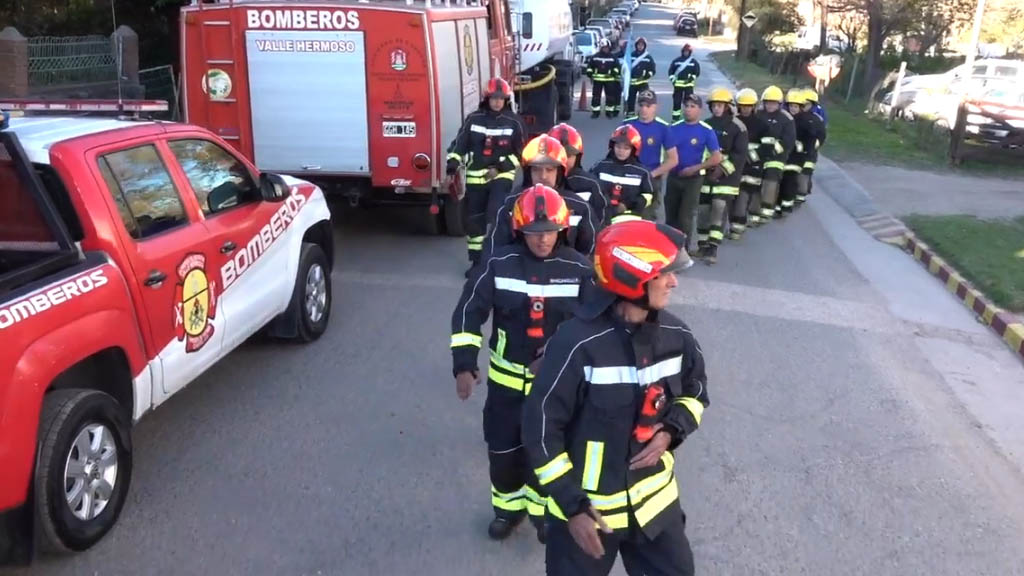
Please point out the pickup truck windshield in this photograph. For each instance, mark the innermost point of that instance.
(22, 226)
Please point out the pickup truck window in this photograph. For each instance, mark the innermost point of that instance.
(22, 226)
(143, 190)
(219, 180)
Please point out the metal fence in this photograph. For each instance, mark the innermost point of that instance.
(160, 83)
(70, 59)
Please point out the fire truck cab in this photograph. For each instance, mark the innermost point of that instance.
(361, 97)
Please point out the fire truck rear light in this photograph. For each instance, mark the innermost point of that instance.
(421, 162)
(392, 161)
(84, 105)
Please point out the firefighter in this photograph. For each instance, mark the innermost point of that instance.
(530, 287)
(546, 163)
(793, 168)
(583, 183)
(812, 98)
(722, 183)
(812, 125)
(747, 210)
(641, 69)
(777, 142)
(622, 385)
(488, 144)
(604, 70)
(625, 182)
(683, 73)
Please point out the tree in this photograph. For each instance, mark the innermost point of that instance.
(852, 26)
(774, 17)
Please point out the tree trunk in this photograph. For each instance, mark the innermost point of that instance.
(874, 51)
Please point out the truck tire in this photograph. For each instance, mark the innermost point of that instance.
(312, 294)
(454, 221)
(84, 468)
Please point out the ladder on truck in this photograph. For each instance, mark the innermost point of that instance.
(221, 31)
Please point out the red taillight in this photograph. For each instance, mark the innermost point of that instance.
(421, 162)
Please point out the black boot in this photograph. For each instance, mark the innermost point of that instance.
(501, 527)
(595, 114)
(711, 254)
(542, 531)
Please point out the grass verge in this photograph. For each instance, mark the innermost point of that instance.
(989, 253)
(854, 136)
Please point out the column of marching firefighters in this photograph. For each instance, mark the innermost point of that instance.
(591, 383)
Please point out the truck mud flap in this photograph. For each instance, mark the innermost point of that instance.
(16, 543)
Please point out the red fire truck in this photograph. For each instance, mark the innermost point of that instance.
(364, 97)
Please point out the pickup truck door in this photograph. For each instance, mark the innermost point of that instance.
(170, 255)
(253, 242)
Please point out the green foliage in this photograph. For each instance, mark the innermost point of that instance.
(774, 17)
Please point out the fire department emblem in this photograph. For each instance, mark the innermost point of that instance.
(195, 303)
(467, 49)
(399, 61)
(216, 83)
(693, 141)
(650, 140)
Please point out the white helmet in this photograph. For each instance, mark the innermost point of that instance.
(603, 43)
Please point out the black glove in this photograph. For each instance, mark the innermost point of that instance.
(452, 168)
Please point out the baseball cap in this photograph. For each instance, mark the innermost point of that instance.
(695, 99)
(646, 97)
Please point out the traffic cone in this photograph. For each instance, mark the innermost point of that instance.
(582, 106)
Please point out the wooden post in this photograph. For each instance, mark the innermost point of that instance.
(13, 64)
(853, 77)
(956, 135)
(896, 93)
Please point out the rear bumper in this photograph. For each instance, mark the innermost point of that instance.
(16, 544)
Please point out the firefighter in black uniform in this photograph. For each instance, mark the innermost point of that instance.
(777, 142)
(488, 144)
(722, 183)
(641, 69)
(546, 163)
(583, 183)
(816, 133)
(621, 386)
(683, 73)
(747, 210)
(626, 183)
(605, 71)
(530, 287)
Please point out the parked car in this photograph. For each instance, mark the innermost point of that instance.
(585, 43)
(997, 116)
(608, 28)
(686, 26)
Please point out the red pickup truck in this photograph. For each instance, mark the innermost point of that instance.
(134, 254)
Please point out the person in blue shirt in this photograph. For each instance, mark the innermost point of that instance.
(812, 97)
(658, 154)
(698, 150)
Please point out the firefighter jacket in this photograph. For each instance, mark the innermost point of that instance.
(627, 186)
(732, 139)
(528, 297)
(587, 188)
(486, 140)
(811, 134)
(579, 420)
(778, 138)
(683, 72)
(582, 223)
(641, 68)
(753, 167)
(604, 67)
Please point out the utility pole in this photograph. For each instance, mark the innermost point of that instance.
(975, 38)
(823, 40)
(741, 37)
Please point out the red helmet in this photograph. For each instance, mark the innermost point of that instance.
(627, 134)
(569, 137)
(498, 87)
(540, 209)
(630, 254)
(545, 150)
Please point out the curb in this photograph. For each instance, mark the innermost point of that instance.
(1003, 323)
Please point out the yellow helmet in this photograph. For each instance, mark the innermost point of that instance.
(811, 95)
(746, 97)
(772, 94)
(796, 96)
(720, 95)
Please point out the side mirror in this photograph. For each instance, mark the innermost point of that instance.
(273, 188)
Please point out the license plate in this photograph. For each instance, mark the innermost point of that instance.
(399, 129)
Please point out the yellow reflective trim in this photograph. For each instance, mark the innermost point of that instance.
(659, 502)
(618, 521)
(768, 140)
(705, 189)
(809, 165)
(751, 180)
(728, 166)
(592, 468)
(778, 148)
(553, 470)
(467, 339)
(454, 156)
(478, 172)
(506, 176)
(517, 369)
(792, 168)
(500, 350)
(716, 235)
(475, 180)
(693, 405)
(726, 190)
(625, 217)
(535, 503)
(649, 198)
(799, 146)
(774, 164)
(513, 159)
(512, 501)
(506, 380)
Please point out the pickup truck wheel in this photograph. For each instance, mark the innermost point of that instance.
(313, 289)
(84, 468)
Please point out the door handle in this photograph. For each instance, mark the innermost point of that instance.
(155, 278)
(228, 247)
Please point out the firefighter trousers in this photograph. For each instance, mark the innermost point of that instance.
(514, 488)
(634, 89)
(480, 205)
(716, 203)
(746, 211)
(770, 193)
(612, 91)
(667, 554)
(803, 188)
(678, 95)
(789, 189)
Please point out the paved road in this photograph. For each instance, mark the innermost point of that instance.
(861, 422)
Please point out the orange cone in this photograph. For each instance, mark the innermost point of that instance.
(583, 107)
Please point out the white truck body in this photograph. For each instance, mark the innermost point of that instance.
(544, 31)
